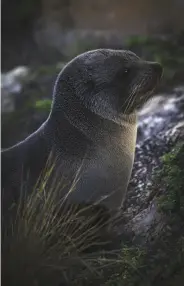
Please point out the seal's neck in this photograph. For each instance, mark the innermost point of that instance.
(92, 126)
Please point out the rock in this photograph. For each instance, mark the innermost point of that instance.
(145, 221)
(21, 89)
(160, 126)
(161, 113)
(7, 102)
(12, 84)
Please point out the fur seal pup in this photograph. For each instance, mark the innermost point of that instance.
(91, 126)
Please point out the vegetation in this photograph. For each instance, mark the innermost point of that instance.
(44, 104)
(172, 174)
(49, 243)
(46, 242)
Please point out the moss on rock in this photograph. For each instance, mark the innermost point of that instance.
(172, 176)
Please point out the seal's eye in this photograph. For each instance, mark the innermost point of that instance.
(126, 70)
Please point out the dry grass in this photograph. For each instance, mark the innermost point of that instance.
(48, 241)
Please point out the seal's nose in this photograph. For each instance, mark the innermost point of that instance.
(157, 69)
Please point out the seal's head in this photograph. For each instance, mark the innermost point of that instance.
(108, 82)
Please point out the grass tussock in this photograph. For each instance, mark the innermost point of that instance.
(48, 242)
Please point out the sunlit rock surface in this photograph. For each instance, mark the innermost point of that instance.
(161, 125)
(12, 84)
